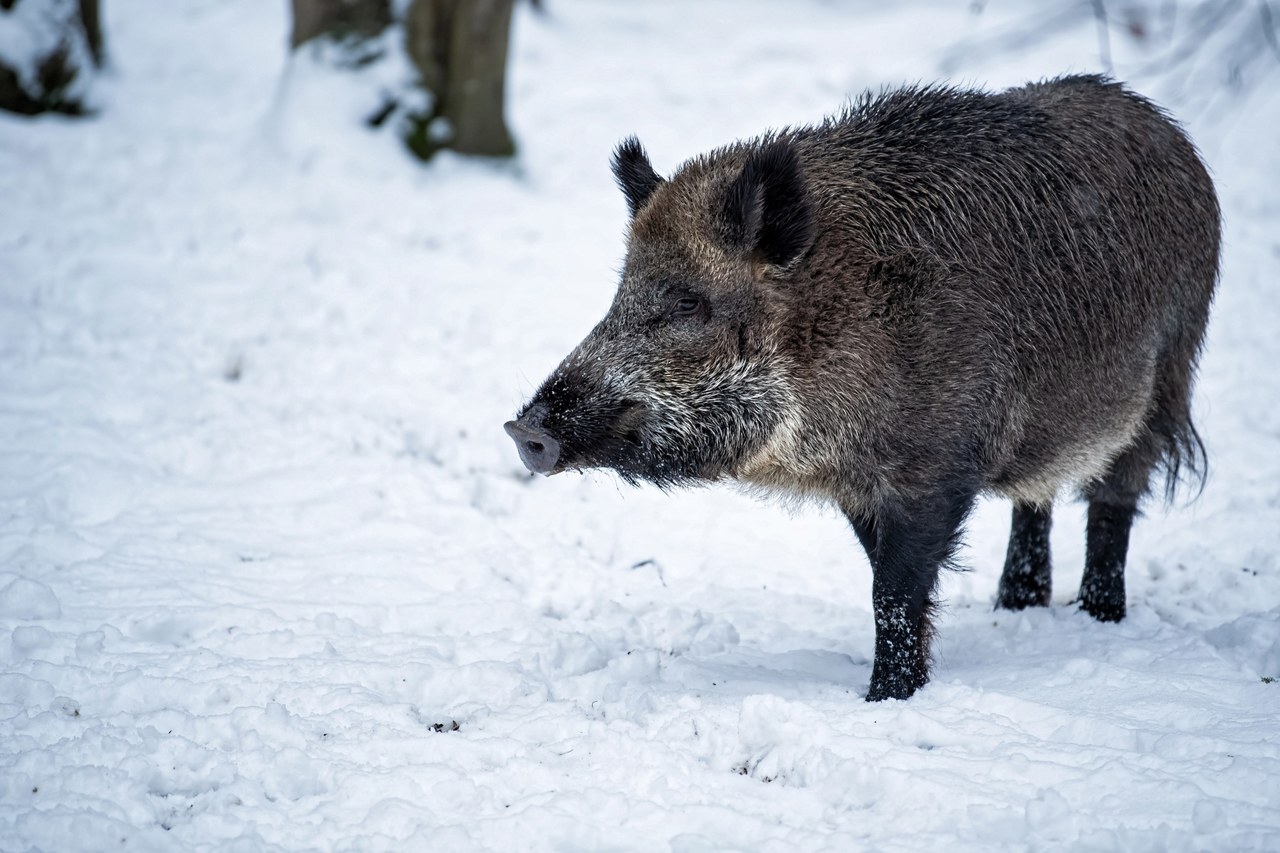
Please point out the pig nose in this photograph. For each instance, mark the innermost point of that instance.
(539, 450)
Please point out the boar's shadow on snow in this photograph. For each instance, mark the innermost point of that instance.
(937, 294)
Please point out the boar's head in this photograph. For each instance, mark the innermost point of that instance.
(687, 377)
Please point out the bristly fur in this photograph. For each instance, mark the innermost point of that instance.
(634, 174)
(935, 294)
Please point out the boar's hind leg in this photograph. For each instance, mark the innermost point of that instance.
(1113, 502)
(1106, 545)
(907, 546)
(1027, 580)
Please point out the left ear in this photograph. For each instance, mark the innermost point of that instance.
(766, 209)
(634, 173)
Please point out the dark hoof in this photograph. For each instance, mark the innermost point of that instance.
(895, 687)
(1104, 611)
(1020, 598)
(879, 695)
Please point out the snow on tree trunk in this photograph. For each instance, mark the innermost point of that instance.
(48, 51)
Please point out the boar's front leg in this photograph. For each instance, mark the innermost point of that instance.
(907, 545)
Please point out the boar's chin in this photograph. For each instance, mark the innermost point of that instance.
(632, 447)
(663, 471)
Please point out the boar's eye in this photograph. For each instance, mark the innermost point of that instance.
(686, 306)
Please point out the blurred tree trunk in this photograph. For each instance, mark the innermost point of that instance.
(340, 20)
(458, 49)
(62, 44)
(91, 21)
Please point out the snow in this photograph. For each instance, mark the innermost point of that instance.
(24, 599)
(273, 578)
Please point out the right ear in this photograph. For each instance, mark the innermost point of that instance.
(766, 210)
(634, 173)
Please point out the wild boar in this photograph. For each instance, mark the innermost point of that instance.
(937, 294)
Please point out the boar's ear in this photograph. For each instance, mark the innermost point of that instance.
(766, 210)
(634, 173)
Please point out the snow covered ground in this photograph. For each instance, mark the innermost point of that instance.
(272, 577)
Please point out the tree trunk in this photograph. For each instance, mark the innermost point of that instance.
(459, 48)
(91, 21)
(340, 20)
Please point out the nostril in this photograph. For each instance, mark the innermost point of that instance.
(539, 449)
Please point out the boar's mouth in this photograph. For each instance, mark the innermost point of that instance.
(607, 437)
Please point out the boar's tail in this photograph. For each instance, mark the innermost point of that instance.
(1183, 459)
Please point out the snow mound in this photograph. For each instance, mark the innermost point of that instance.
(26, 600)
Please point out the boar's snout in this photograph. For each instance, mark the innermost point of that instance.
(539, 450)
